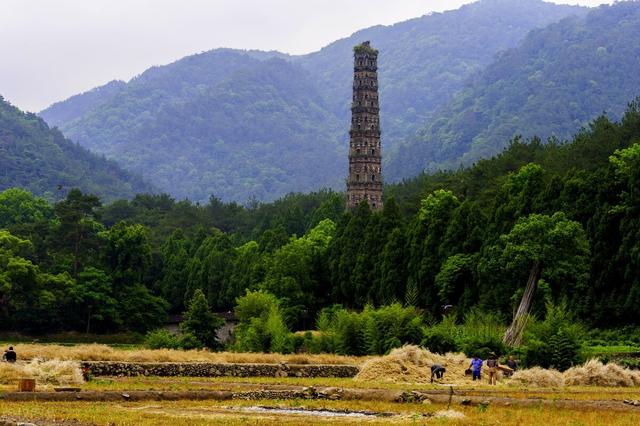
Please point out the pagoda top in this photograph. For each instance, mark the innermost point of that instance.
(364, 48)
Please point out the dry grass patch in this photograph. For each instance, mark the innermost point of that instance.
(98, 352)
(45, 372)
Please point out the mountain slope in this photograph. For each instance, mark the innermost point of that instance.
(285, 137)
(424, 61)
(552, 84)
(243, 137)
(40, 159)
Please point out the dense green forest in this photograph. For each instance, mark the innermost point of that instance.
(243, 125)
(551, 84)
(468, 238)
(40, 159)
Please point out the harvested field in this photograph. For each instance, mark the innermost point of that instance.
(97, 352)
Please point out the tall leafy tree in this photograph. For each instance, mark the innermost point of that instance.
(552, 247)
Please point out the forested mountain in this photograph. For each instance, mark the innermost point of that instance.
(550, 85)
(262, 133)
(260, 124)
(38, 158)
(424, 61)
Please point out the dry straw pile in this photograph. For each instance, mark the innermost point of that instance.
(96, 352)
(595, 373)
(537, 377)
(592, 373)
(45, 372)
(412, 364)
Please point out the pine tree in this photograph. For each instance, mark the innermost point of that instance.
(201, 322)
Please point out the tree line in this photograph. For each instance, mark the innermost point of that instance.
(564, 213)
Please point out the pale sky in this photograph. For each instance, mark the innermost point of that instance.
(53, 49)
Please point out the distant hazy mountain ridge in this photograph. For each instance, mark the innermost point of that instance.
(260, 124)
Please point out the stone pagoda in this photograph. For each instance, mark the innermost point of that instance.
(365, 153)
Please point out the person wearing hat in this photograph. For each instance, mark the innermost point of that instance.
(492, 368)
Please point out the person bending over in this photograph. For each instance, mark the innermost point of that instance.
(437, 371)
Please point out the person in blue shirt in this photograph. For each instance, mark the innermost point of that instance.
(476, 367)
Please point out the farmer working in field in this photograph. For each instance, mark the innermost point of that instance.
(438, 371)
(10, 355)
(476, 367)
(492, 368)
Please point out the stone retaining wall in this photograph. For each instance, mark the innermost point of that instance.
(199, 369)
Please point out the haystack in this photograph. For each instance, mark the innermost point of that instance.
(595, 373)
(537, 377)
(52, 371)
(412, 364)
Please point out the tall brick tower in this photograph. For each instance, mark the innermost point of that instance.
(365, 179)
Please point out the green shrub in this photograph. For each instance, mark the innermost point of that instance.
(372, 331)
(481, 334)
(161, 339)
(554, 342)
(348, 330)
(438, 342)
(390, 327)
(441, 337)
(189, 341)
(261, 327)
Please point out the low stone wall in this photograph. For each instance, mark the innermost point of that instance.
(198, 369)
